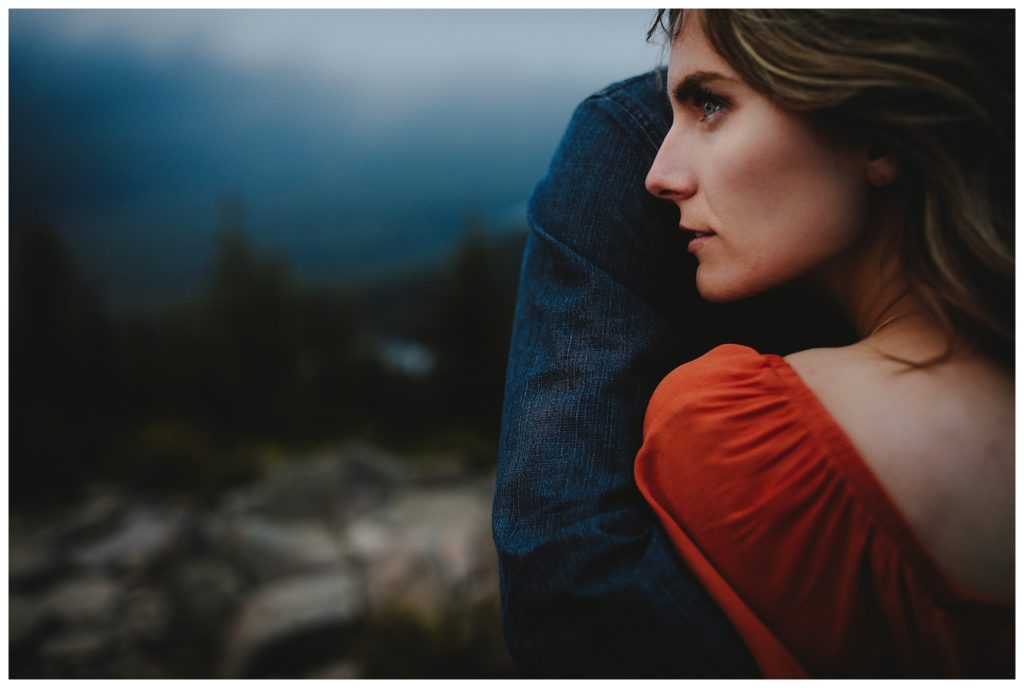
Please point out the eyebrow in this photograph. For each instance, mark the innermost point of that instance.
(685, 88)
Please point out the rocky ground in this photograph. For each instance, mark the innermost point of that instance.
(346, 564)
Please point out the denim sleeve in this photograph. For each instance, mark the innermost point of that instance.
(590, 585)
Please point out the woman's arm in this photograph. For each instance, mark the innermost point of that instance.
(606, 307)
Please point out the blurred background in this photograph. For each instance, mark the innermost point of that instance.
(262, 272)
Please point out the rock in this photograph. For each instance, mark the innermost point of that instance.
(144, 617)
(136, 667)
(31, 561)
(370, 465)
(77, 653)
(290, 625)
(317, 487)
(427, 549)
(27, 620)
(97, 512)
(336, 670)
(204, 595)
(302, 489)
(439, 469)
(289, 577)
(267, 549)
(141, 538)
(83, 602)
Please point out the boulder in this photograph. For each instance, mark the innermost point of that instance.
(144, 617)
(28, 620)
(291, 625)
(319, 486)
(142, 536)
(77, 653)
(319, 571)
(204, 593)
(265, 549)
(96, 513)
(32, 561)
(427, 549)
(89, 602)
(336, 670)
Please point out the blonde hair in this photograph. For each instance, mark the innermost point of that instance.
(935, 89)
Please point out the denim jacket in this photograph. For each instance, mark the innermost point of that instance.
(590, 586)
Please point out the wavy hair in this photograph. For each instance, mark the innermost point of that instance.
(936, 89)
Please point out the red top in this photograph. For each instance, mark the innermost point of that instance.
(771, 506)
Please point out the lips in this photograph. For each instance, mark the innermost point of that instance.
(698, 237)
(697, 233)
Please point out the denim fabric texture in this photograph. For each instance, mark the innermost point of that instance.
(607, 306)
(590, 586)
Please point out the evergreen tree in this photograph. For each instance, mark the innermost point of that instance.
(470, 335)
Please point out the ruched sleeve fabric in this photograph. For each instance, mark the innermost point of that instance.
(769, 503)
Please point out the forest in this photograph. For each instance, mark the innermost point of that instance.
(200, 395)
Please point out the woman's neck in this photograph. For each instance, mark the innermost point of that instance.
(870, 287)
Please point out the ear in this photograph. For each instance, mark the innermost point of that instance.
(880, 166)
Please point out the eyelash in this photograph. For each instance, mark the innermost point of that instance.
(701, 98)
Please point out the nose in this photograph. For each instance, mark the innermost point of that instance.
(670, 177)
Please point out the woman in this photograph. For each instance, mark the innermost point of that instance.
(849, 508)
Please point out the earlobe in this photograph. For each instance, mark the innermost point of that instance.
(880, 166)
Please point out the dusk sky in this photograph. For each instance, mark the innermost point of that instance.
(358, 141)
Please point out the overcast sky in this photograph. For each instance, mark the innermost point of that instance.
(390, 54)
(357, 139)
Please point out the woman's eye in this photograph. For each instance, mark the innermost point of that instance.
(709, 108)
(702, 102)
(708, 104)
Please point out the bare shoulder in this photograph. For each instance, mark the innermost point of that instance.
(941, 441)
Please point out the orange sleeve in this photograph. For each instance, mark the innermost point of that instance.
(769, 503)
(686, 412)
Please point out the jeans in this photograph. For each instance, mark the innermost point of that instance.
(607, 306)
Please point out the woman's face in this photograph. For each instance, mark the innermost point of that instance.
(776, 196)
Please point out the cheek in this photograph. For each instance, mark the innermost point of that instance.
(785, 201)
(750, 176)
(786, 184)
(826, 208)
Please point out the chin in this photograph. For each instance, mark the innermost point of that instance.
(723, 291)
(727, 286)
(716, 297)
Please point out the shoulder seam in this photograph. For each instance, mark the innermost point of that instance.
(614, 94)
(638, 118)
